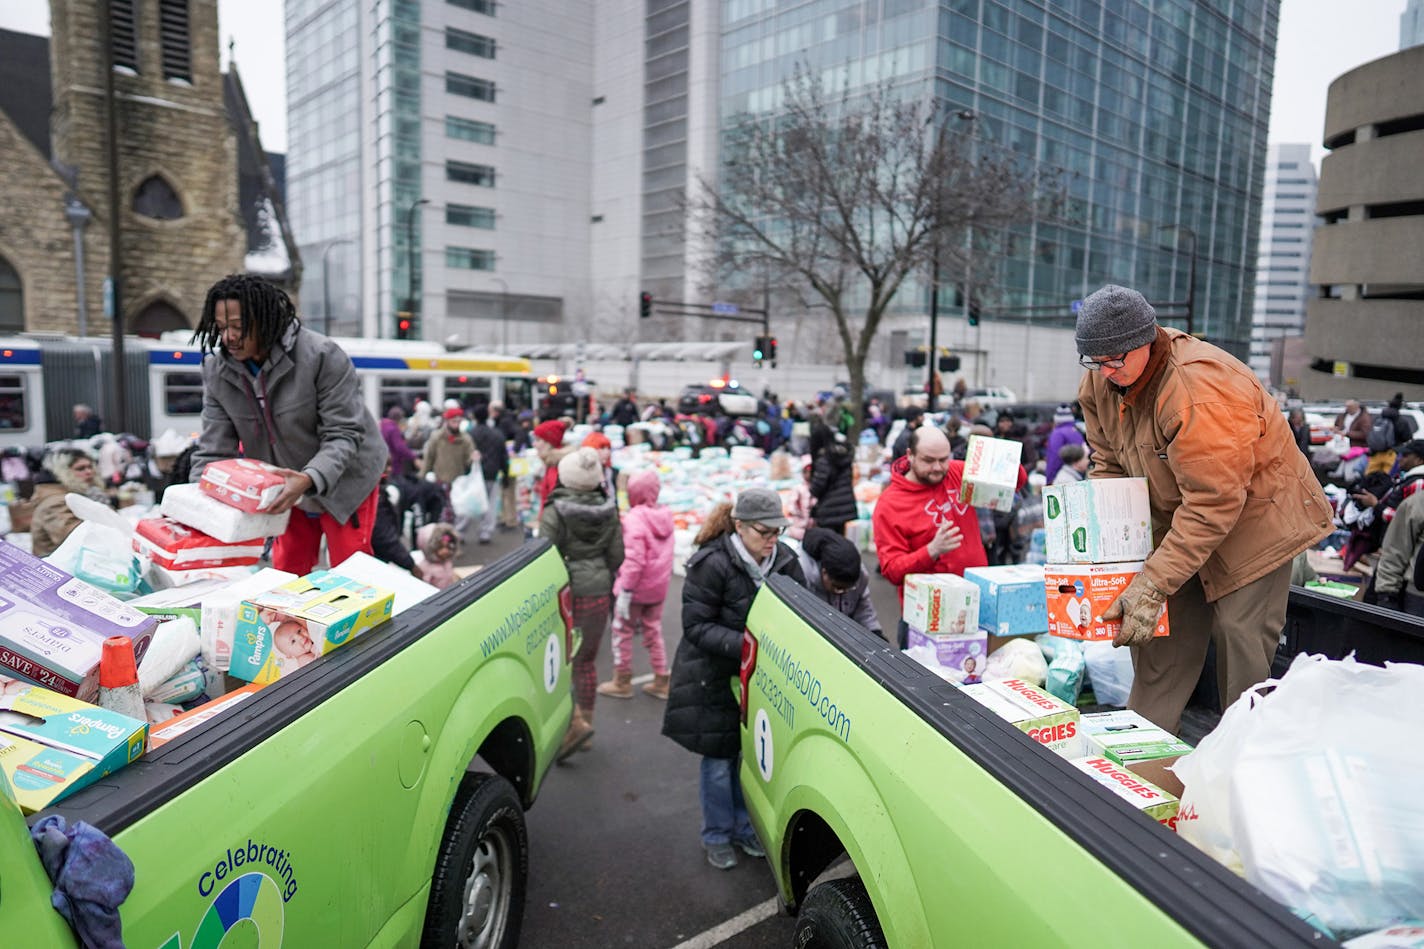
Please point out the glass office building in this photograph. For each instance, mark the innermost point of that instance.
(1154, 110)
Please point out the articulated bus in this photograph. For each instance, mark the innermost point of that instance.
(43, 377)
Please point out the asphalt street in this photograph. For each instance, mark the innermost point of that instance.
(615, 858)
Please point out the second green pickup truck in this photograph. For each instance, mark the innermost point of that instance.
(375, 797)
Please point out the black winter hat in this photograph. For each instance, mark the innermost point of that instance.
(1114, 320)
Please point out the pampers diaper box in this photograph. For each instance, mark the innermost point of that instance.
(1047, 720)
(1078, 593)
(243, 483)
(285, 628)
(991, 472)
(220, 608)
(52, 745)
(53, 625)
(1138, 793)
(941, 604)
(1101, 520)
(1010, 598)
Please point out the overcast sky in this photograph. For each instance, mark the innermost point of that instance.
(1319, 40)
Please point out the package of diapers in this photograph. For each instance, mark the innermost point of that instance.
(188, 504)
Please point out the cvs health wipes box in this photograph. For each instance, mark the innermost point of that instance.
(1011, 601)
(1123, 784)
(1105, 520)
(193, 719)
(1046, 719)
(285, 628)
(244, 483)
(941, 603)
(991, 472)
(1078, 593)
(62, 744)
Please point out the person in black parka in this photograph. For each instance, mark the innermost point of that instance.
(832, 489)
(737, 551)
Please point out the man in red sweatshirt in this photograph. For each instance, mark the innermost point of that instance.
(921, 526)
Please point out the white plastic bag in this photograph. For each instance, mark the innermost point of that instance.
(467, 496)
(1109, 672)
(1017, 659)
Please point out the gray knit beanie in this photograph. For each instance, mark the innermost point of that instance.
(1114, 320)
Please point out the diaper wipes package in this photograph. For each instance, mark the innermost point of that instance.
(965, 655)
(1047, 720)
(1079, 593)
(941, 604)
(1124, 785)
(1011, 599)
(1105, 520)
(219, 617)
(189, 504)
(285, 628)
(991, 472)
(62, 744)
(178, 546)
(243, 483)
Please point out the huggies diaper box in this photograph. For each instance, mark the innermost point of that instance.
(52, 625)
(189, 504)
(1101, 520)
(244, 483)
(52, 745)
(178, 546)
(1011, 599)
(1139, 793)
(991, 472)
(283, 629)
(1044, 718)
(1078, 593)
(965, 654)
(941, 603)
(1131, 741)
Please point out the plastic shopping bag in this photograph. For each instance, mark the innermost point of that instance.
(467, 496)
(1017, 659)
(1109, 672)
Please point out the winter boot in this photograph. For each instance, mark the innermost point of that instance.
(580, 731)
(621, 687)
(658, 688)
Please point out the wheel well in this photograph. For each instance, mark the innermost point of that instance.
(509, 752)
(813, 847)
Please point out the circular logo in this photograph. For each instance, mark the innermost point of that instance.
(252, 896)
(1078, 587)
(552, 656)
(761, 744)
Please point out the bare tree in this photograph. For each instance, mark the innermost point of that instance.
(840, 199)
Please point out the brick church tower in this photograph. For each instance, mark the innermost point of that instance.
(177, 163)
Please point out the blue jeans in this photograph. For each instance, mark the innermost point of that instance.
(724, 816)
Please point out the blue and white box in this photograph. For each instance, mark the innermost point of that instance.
(1012, 599)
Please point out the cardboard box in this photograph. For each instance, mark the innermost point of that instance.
(941, 604)
(1049, 721)
(180, 547)
(189, 504)
(285, 628)
(1055, 524)
(1078, 593)
(1408, 935)
(220, 607)
(59, 745)
(1105, 520)
(196, 718)
(53, 625)
(991, 472)
(1138, 793)
(1127, 739)
(244, 483)
(965, 653)
(1011, 598)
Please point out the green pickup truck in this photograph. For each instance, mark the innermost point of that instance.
(375, 797)
(962, 831)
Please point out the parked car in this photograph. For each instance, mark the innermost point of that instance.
(704, 398)
(991, 397)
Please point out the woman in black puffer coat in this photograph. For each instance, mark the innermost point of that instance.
(832, 490)
(737, 551)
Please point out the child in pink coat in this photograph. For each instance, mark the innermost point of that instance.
(641, 587)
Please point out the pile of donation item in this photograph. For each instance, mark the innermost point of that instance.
(182, 625)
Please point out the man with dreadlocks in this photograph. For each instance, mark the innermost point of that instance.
(275, 391)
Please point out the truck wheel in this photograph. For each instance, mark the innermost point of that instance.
(838, 914)
(477, 892)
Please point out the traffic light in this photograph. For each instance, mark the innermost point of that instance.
(771, 349)
(645, 305)
(404, 323)
(760, 349)
(972, 312)
(915, 358)
(949, 364)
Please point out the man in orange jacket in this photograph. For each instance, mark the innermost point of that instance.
(1232, 499)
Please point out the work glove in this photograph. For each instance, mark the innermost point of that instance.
(1139, 607)
(622, 606)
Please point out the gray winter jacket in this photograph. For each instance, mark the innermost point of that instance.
(584, 526)
(314, 420)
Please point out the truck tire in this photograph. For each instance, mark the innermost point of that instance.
(477, 892)
(838, 914)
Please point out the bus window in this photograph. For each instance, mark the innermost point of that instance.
(12, 403)
(468, 390)
(403, 392)
(518, 393)
(183, 393)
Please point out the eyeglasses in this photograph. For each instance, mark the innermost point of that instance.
(1115, 362)
(765, 531)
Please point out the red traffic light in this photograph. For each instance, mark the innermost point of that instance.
(645, 305)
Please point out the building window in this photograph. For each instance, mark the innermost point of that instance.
(468, 258)
(12, 299)
(458, 85)
(469, 130)
(156, 198)
(470, 174)
(123, 34)
(466, 216)
(173, 39)
(472, 43)
(479, 6)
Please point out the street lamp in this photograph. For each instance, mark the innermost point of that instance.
(410, 300)
(964, 115)
(1190, 302)
(326, 281)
